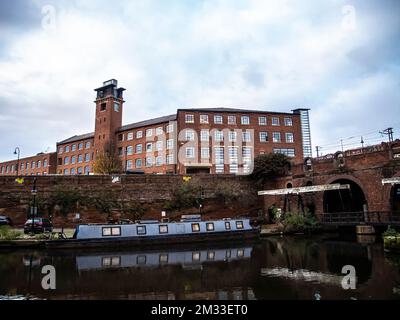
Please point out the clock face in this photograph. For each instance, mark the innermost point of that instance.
(116, 106)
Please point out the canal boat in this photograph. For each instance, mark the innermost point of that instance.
(154, 232)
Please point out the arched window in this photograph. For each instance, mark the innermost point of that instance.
(289, 185)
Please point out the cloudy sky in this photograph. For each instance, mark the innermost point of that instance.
(340, 58)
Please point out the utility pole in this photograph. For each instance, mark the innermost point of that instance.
(388, 132)
(318, 148)
(362, 142)
(33, 208)
(341, 143)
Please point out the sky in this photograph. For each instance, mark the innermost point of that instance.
(339, 58)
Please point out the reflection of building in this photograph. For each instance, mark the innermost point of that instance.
(211, 140)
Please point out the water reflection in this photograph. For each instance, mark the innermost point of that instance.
(276, 268)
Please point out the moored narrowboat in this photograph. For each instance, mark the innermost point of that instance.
(153, 232)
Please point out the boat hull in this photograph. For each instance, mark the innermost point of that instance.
(140, 242)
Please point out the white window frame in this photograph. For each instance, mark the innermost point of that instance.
(275, 138)
(243, 120)
(191, 154)
(275, 121)
(204, 118)
(230, 118)
(288, 122)
(139, 134)
(263, 133)
(189, 118)
(216, 121)
(149, 132)
(129, 136)
(204, 135)
(262, 121)
(205, 153)
(147, 147)
(289, 137)
(189, 135)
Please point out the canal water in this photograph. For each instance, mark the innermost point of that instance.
(295, 267)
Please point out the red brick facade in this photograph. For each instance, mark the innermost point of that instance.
(210, 140)
(41, 164)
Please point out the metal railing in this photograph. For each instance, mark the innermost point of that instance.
(370, 217)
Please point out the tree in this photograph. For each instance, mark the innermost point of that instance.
(270, 166)
(107, 163)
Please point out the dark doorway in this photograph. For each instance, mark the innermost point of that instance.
(352, 200)
(198, 171)
(395, 198)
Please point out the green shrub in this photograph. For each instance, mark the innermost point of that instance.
(391, 232)
(6, 233)
(300, 221)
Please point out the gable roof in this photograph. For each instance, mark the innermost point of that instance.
(146, 123)
(77, 138)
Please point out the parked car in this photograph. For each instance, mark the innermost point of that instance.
(5, 221)
(40, 225)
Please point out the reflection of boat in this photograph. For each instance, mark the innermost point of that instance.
(31, 261)
(156, 233)
(156, 259)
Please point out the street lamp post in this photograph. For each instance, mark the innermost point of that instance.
(33, 208)
(17, 152)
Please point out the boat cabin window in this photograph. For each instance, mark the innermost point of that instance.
(227, 226)
(195, 227)
(239, 224)
(111, 261)
(164, 258)
(141, 230)
(210, 226)
(196, 256)
(211, 255)
(141, 259)
(110, 232)
(228, 254)
(163, 229)
(240, 253)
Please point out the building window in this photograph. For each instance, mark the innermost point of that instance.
(138, 163)
(116, 106)
(262, 121)
(66, 161)
(289, 152)
(288, 122)
(129, 136)
(231, 119)
(129, 150)
(80, 146)
(73, 171)
(263, 136)
(276, 137)
(205, 153)
(246, 136)
(219, 160)
(210, 226)
(128, 164)
(139, 134)
(149, 132)
(66, 171)
(190, 152)
(163, 228)
(39, 164)
(66, 148)
(87, 157)
(170, 128)
(195, 227)
(204, 135)
(159, 131)
(141, 230)
(239, 224)
(275, 121)
(170, 144)
(289, 137)
(73, 148)
(159, 145)
(245, 120)
(189, 135)
(73, 159)
(149, 147)
(227, 226)
(87, 170)
(120, 152)
(23, 166)
(149, 162)
(27, 165)
(60, 149)
(189, 118)
(219, 136)
(159, 161)
(139, 148)
(87, 146)
(103, 107)
(80, 170)
(218, 120)
(232, 136)
(203, 118)
(170, 159)
(80, 158)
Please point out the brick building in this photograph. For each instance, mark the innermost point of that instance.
(207, 140)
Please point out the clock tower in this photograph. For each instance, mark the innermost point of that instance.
(109, 106)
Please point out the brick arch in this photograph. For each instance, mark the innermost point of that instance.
(387, 191)
(353, 179)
